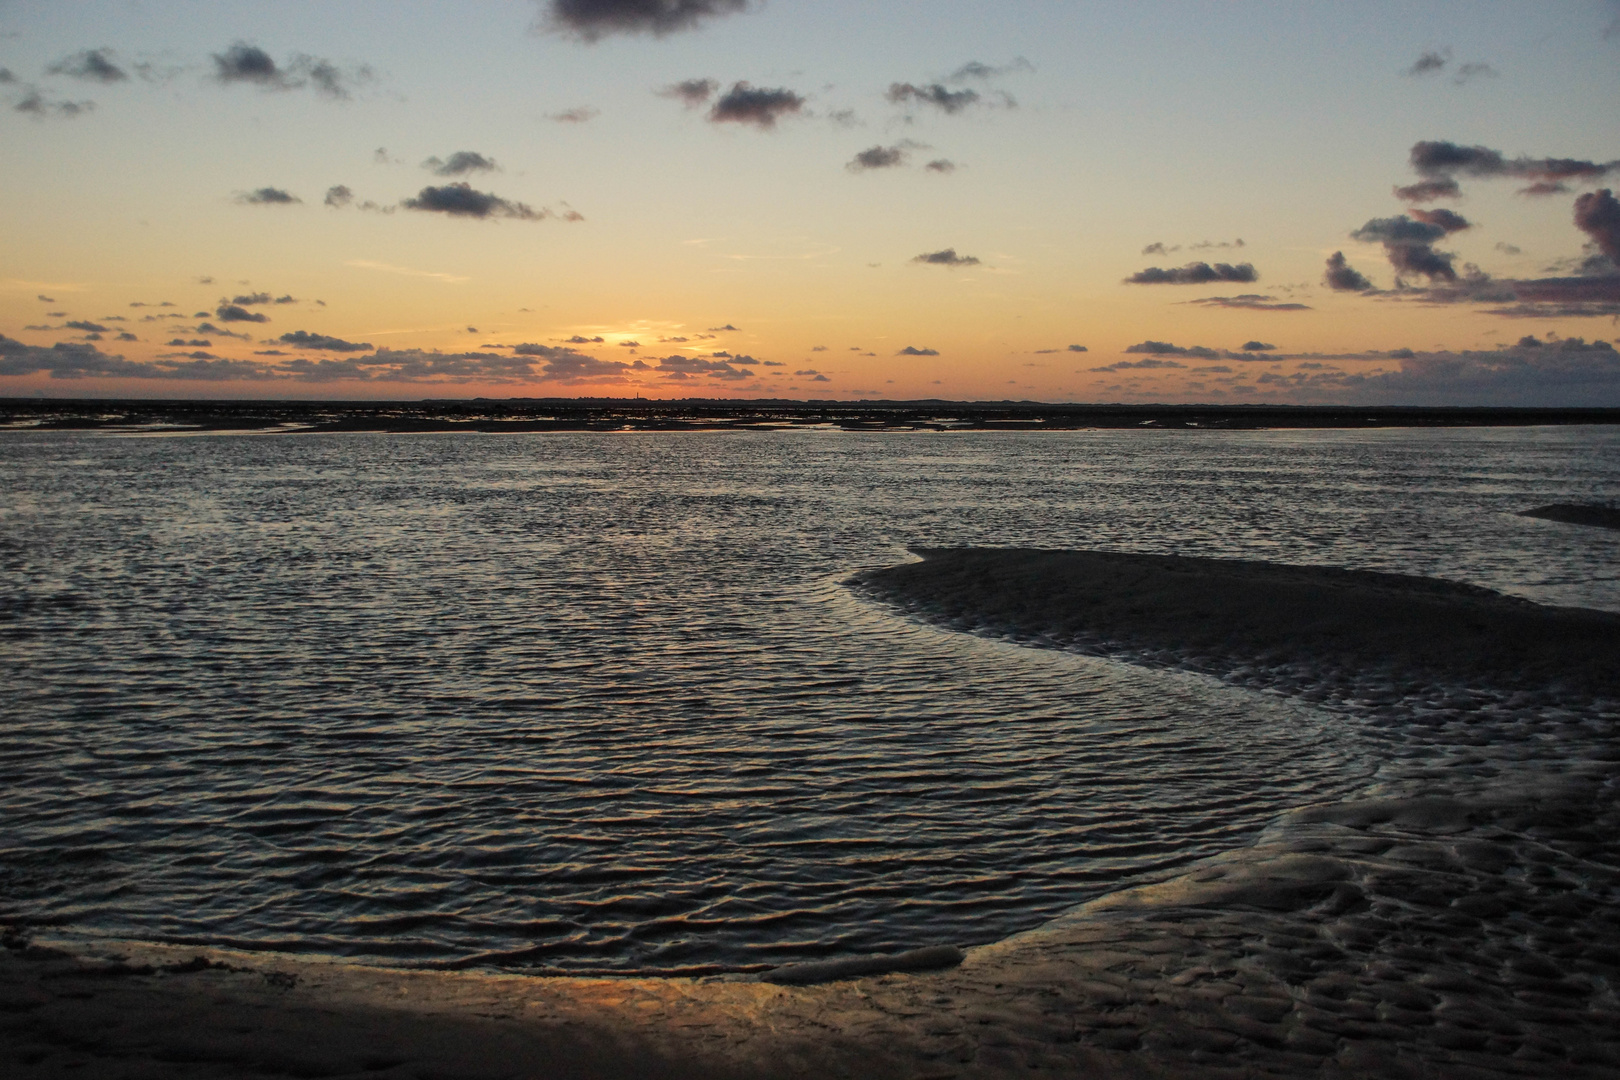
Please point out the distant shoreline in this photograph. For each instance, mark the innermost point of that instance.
(703, 414)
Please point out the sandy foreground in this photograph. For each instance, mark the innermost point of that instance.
(1462, 918)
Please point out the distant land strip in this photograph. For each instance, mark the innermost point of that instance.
(706, 414)
(1227, 614)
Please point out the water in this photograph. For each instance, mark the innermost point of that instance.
(601, 703)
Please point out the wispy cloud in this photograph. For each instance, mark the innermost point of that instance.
(406, 271)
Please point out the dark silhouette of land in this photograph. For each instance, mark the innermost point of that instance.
(705, 414)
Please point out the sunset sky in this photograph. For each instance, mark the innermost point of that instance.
(1051, 200)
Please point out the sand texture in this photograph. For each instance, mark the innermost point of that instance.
(1459, 919)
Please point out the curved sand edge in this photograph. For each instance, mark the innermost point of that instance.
(1459, 924)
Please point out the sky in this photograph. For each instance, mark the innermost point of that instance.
(1216, 201)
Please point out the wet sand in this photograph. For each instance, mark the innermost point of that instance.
(1459, 919)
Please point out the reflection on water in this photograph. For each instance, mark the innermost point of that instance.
(600, 703)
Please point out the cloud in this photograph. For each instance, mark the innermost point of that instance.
(462, 200)
(570, 366)
(33, 104)
(759, 106)
(1449, 220)
(66, 360)
(1544, 188)
(975, 70)
(1436, 159)
(1428, 191)
(721, 329)
(1474, 70)
(1428, 64)
(1258, 346)
(91, 65)
(237, 313)
(912, 350)
(950, 101)
(1250, 302)
(947, 257)
(1164, 348)
(338, 196)
(592, 20)
(878, 157)
(81, 324)
(1508, 249)
(941, 165)
(1409, 245)
(1569, 372)
(1205, 245)
(303, 339)
(1151, 362)
(1597, 214)
(691, 92)
(580, 115)
(250, 299)
(578, 340)
(267, 196)
(460, 163)
(1342, 277)
(244, 63)
(6, 77)
(1078, 348)
(1194, 273)
(685, 367)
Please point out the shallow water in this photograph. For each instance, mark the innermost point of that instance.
(587, 702)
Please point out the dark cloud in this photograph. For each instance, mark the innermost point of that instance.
(580, 115)
(570, 366)
(250, 299)
(338, 196)
(237, 313)
(194, 343)
(951, 101)
(577, 340)
(1508, 249)
(1258, 346)
(91, 65)
(691, 92)
(1409, 245)
(1428, 191)
(303, 339)
(462, 200)
(35, 105)
(78, 361)
(267, 196)
(82, 324)
(912, 350)
(1342, 277)
(1250, 302)
(1449, 220)
(878, 157)
(592, 20)
(244, 63)
(1543, 188)
(1151, 362)
(1474, 70)
(6, 76)
(247, 63)
(1164, 348)
(686, 367)
(947, 257)
(1597, 214)
(1437, 158)
(762, 107)
(1158, 248)
(1194, 273)
(973, 69)
(127, 336)
(1078, 348)
(460, 163)
(1569, 373)
(721, 329)
(1205, 245)
(941, 165)
(1428, 64)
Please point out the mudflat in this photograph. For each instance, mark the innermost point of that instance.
(1457, 919)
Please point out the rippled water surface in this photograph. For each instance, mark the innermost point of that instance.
(589, 702)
